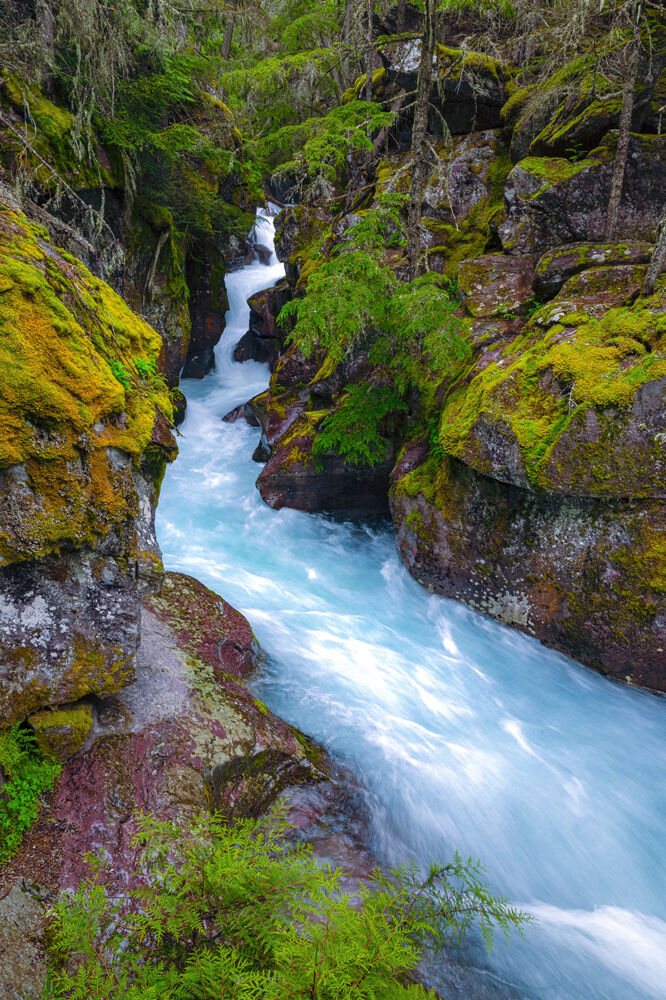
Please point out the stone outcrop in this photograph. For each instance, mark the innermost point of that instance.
(185, 735)
(549, 202)
(85, 440)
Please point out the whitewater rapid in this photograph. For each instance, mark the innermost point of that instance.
(465, 734)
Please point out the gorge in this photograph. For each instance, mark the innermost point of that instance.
(463, 733)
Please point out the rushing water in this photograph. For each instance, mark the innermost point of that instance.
(466, 734)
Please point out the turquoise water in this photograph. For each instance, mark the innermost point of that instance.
(465, 734)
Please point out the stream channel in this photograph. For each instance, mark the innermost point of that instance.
(465, 734)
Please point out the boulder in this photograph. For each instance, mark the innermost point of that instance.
(494, 284)
(293, 477)
(468, 88)
(583, 576)
(574, 404)
(559, 264)
(186, 734)
(549, 202)
(595, 292)
(199, 364)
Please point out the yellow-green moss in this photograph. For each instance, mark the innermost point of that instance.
(61, 733)
(61, 406)
(596, 364)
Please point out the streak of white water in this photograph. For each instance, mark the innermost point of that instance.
(467, 735)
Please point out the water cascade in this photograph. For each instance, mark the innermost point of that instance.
(466, 734)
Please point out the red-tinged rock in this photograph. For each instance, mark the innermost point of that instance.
(583, 576)
(293, 477)
(494, 284)
(185, 734)
(595, 292)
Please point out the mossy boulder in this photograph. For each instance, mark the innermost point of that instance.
(561, 263)
(550, 201)
(574, 406)
(62, 732)
(85, 441)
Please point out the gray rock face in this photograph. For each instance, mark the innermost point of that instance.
(549, 202)
(70, 623)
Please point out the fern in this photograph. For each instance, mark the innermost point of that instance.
(28, 775)
(241, 912)
(354, 429)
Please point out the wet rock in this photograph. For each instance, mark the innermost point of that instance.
(208, 304)
(179, 401)
(582, 576)
(253, 348)
(293, 477)
(549, 202)
(561, 263)
(261, 453)
(199, 364)
(62, 732)
(277, 412)
(263, 253)
(494, 284)
(242, 412)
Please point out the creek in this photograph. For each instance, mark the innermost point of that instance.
(465, 734)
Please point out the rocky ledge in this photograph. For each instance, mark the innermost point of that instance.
(185, 736)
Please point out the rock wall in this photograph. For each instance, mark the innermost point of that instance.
(85, 440)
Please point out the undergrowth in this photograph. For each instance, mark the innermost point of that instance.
(27, 775)
(238, 911)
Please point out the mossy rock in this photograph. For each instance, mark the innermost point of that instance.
(577, 408)
(76, 387)
(60, 733)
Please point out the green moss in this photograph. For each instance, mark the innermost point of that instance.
(553, 170)
(59, 734)
(61, 407)
(596, 364)
(455, 62)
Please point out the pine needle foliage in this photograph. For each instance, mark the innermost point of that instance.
(241, 912)
(27, 776)
(356, 301)
(357, 429)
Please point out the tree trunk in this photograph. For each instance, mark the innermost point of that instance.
(369, 53)
(401, 17)
(46, 24)
(658, 260)
(420, 146)
(620, 163)
(228, 37)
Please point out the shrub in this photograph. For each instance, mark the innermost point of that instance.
(240, 912)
